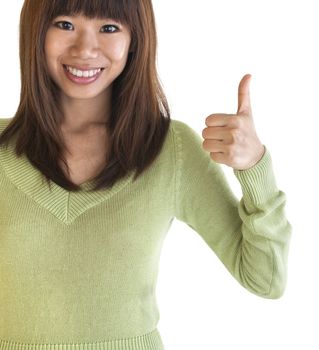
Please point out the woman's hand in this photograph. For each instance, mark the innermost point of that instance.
(231, 139)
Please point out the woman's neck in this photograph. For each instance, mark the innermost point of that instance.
(81, 116)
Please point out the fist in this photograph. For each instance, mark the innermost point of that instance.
(231, 139)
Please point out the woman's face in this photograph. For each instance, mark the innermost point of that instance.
(86, 44)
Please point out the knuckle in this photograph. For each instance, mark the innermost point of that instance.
(207, 120)
(231, 154)
(236, 135)
(204, 144)
(238, 122)
(215, 157)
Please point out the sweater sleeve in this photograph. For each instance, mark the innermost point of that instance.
(251, 236)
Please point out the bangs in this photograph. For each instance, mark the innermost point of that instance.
(121, 10)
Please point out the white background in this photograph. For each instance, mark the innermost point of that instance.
(204, 50)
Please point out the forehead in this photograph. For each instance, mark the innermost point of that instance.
(82, 18)
(98, 9)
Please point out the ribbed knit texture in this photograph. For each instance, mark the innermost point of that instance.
(79, 270)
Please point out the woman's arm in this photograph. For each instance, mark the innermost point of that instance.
(251, 236)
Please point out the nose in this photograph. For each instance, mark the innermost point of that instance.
(85, 46)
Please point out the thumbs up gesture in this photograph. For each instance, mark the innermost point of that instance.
(231, 139)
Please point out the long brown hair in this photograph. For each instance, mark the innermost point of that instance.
(140, 115)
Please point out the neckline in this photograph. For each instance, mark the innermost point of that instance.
(65, 205)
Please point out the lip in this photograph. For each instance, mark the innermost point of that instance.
(84, 67)
(81, 80)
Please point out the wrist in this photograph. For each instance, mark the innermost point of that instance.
(259, 156)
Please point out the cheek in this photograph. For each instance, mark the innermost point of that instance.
(118, 50)
(52, 48)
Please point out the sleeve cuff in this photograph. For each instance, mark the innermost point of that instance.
(258, 183)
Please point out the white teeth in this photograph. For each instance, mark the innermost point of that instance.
(80, 73)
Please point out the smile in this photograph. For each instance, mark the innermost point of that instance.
(82, 76)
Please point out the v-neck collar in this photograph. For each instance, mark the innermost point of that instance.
(65, 205)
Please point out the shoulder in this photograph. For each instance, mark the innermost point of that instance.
(179, 126)
(3, 123)
(183, 130)
(185, 134)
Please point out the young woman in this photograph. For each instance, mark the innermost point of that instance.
(79, 252)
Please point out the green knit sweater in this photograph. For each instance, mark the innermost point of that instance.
(78, 270)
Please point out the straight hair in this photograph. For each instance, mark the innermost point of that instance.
(140, 115)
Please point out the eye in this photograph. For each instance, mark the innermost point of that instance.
(66, 25)
(60, 24)
(111, 25)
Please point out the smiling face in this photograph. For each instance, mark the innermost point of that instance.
(86, 44)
